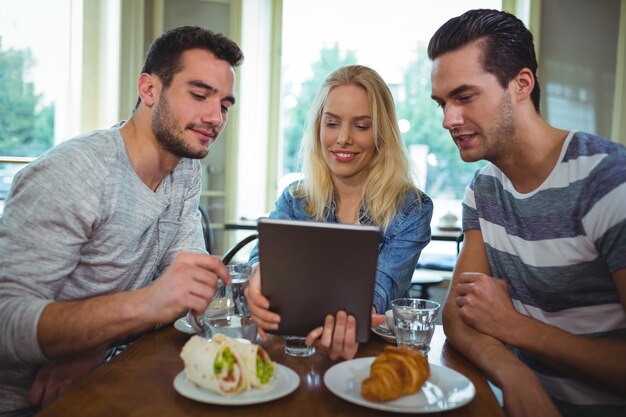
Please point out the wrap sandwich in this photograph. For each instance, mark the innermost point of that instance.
(258, 367)
(214, 366)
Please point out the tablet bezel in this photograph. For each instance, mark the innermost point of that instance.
(302, 263)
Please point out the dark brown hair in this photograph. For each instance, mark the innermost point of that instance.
(507, 44)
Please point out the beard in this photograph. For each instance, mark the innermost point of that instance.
(498, 138)
(165, 131)
(502, 132)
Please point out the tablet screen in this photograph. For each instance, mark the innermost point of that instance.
(312, 269)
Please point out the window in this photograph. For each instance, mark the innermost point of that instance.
(44, 57)
(33, 69)
(579, 78)
(390, 37)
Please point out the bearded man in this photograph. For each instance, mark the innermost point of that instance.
(101, 237)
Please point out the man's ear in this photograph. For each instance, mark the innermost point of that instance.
(523, 84)
(149, 86)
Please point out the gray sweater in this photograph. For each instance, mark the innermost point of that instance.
(79, 222)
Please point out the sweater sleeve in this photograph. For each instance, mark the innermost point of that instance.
(48, 217)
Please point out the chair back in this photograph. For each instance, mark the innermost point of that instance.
(207, 229)
(230, 253)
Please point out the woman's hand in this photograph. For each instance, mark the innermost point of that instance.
(259, 305)
(338, 335)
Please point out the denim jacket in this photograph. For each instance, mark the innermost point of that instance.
(400, 245)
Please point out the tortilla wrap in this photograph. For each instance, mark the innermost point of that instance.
(258, 367)
(214, 366)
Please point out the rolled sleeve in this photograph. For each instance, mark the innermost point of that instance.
(19, 342)
(37, 256)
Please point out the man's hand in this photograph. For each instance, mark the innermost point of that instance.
(484, 304)
(54, 378)
(532, 400)
(188, 283)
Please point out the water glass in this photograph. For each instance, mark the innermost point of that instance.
(296, 346)
(227, 312)
(237, 327)
(415, 322)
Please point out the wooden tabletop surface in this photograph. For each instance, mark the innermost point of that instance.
(139, 382)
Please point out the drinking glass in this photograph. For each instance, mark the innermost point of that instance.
(296, 346)
(227, 312)
(415, 322)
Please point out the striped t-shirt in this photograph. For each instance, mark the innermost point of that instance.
(557, 246)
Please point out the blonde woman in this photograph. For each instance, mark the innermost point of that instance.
(355, 171)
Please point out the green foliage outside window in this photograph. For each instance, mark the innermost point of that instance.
(447, 174)
(26, 125)
(297, 116)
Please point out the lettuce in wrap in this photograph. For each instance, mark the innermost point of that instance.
(257, 364)
(214, 366)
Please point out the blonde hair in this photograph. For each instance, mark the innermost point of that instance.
(389, 176)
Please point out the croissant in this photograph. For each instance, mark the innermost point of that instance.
(396, 372)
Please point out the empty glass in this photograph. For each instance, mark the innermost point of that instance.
(296, 346)
(415, 322)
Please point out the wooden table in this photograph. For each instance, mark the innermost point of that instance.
(445, 235)
(139, 382)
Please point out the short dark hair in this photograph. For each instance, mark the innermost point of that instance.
(164, 56)
(507, 44)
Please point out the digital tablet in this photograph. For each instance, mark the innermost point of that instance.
(311, 269)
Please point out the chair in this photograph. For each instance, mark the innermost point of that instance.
(423, 279)
(459, 240)
(230, 253)
(207, 229)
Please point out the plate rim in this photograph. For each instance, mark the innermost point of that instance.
(384, 406)
(182, 325)
(292, 384)
(387, 338)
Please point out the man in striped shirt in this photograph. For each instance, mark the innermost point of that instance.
(538, 298)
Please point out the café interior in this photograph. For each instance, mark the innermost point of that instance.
(581, 48)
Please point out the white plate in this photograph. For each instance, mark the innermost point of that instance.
(383, 332)
(285, 382)
(446, 389)
(183, 325)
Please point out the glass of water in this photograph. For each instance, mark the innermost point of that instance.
(227, 313)
(415, 322)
